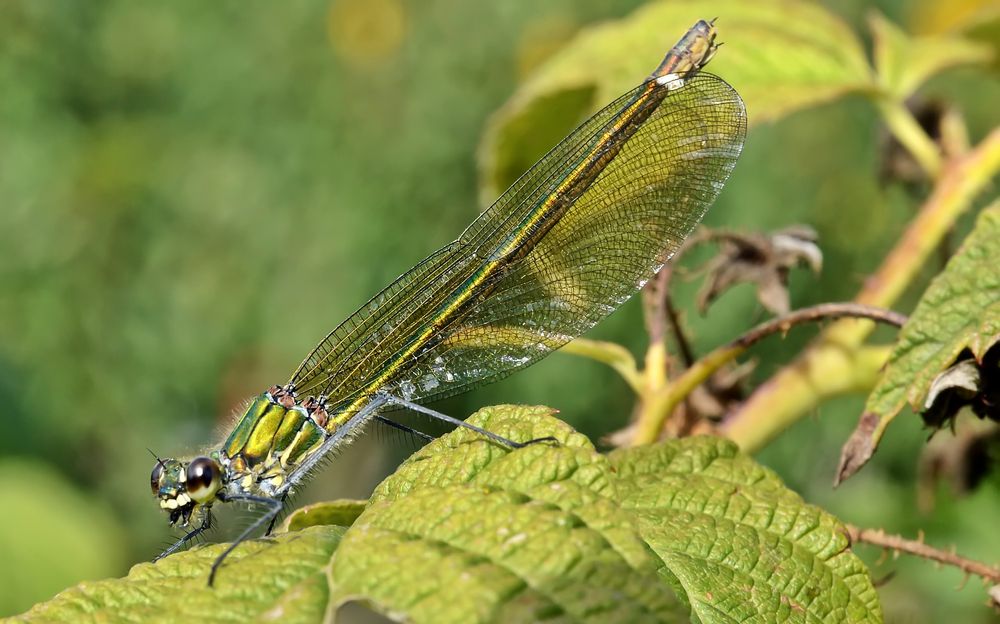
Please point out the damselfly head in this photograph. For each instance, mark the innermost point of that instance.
(181, 486)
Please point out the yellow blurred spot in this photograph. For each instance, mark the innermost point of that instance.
(541, 39)
(365, 33)
(936, 17)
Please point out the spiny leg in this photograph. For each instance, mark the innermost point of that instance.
(274, 505)
(404, 428)
(206, 524)
(461, 423)
(270, 527)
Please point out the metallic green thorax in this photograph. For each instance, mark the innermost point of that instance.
(272, 437)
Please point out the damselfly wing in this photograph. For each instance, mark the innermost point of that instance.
(578, 234)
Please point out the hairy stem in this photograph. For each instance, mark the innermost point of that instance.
(917, 548)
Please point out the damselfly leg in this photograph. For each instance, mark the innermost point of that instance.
(270, 527)
(499, 439)
(206, 524)
(273, 506)
(401, 427)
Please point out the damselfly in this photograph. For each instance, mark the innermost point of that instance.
(572, 239)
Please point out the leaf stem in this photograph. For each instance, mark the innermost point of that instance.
(908, 132)
(614, 355)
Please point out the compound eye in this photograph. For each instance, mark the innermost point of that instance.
(204, 478)
(156, 477)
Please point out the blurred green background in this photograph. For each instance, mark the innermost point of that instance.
(193, 194)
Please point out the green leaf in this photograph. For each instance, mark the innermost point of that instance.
(741, 545)
(467, 530)
(960, 310)
(903, 63)
(685, 530)
(281, 578)
(780, 55)
(341, 512)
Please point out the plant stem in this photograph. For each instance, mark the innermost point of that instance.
(831, 370)
(798, 387)
(680, 339)
(961, 183)
(917, 548)
(660, 403)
